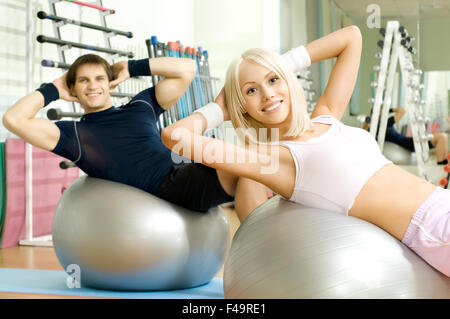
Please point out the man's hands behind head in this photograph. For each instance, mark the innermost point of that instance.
(63, 90)
(120, 70)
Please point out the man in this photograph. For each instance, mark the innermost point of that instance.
(439, 140)
(120, 144)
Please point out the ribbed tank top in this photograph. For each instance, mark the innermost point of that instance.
(331, 169)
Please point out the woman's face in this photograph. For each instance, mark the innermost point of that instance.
(266, 95)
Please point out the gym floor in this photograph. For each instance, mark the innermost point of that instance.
(27, 257)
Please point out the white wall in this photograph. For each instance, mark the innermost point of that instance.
(169, 20)
(224, 28)
(227, 28)
(293, 24)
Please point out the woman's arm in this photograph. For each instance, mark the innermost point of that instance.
(273, 167)
(197, 123)
(177, 74)
(346, 45)
(268, 165)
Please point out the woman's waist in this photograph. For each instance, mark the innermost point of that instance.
(391, 190)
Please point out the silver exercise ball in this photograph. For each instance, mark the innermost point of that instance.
(123, 238)
(397, 154)
(285, 250)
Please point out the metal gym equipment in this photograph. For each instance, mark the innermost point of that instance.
(62, 46)
(397, 49)
(202, 90)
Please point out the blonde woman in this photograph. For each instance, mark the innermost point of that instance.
(320, 162)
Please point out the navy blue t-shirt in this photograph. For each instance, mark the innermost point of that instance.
(121, 144)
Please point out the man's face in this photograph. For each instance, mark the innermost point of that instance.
(92, 88)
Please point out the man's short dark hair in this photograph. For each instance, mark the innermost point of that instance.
(87, 59)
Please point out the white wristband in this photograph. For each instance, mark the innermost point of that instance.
(213, 115)
(297, 59)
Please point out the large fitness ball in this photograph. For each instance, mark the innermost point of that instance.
(285, 250)
(123, 238)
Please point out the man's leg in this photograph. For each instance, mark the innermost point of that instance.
(193, 186)
(440, 142)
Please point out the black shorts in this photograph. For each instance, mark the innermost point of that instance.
(408, 143)
(193, 186)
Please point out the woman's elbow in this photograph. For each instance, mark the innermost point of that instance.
(166, 137)
(355, 33)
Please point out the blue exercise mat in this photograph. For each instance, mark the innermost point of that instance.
(53, 282)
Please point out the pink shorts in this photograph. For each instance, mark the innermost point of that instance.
(428, 234)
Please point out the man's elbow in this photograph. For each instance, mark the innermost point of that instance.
(193, 66)
(191, 70)
(9, 122)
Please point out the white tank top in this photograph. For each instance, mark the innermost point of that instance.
(331, 169)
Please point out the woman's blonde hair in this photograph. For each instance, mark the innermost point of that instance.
(300, 121)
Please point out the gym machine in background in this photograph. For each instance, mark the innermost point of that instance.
(397, 49)
(62, 46)
(307, 85)
(202, 90)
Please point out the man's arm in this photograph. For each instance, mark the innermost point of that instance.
(398, 113)
(177, 74)
(20, 118)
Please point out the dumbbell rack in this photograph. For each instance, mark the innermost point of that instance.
(394, 52)
(384, 83)
(202, 89)
(61, 49)
(306, 82)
